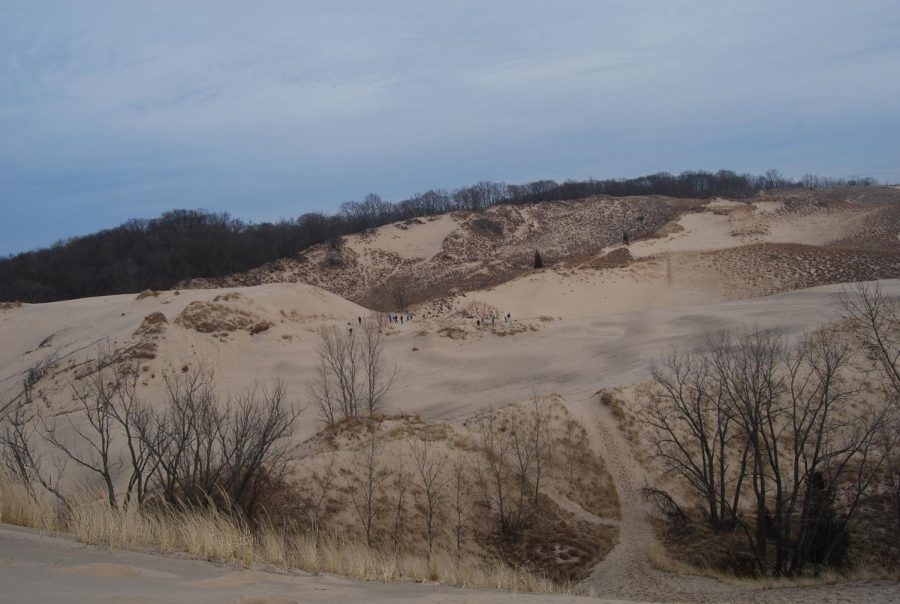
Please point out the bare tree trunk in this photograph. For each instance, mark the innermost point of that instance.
(432, 482)
(365, 495)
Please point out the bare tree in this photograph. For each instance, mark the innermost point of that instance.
(322, 489)
(808, 459)
(21, 455)
(539, 417)
(400, 487)
(338, 390)
(571, 449)
(431, 485)
(523, 438)
(365, 494)
(746, 369)
(91, 425)
(692, 432)
(461, 506)
(181, 436)
(378, 375)
(875, 319)
(494, 469)
(354, 375)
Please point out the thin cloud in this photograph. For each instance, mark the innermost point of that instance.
(112, 109)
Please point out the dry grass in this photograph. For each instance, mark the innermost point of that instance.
(213, 317)
(153, 324)
(213, 536)
(17, 506)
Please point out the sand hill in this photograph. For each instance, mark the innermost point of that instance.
(588, 322)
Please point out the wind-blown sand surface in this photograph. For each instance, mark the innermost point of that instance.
(440, 377)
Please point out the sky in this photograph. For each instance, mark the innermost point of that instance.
(270, 109)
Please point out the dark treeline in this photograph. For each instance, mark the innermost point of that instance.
(181, 244)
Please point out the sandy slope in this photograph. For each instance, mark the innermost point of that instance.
(592, 320)
(438, 376)
(436, 259)
(420, 240)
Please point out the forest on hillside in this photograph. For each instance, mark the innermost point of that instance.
(157, 253)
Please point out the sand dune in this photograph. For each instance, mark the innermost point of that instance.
(592, 319)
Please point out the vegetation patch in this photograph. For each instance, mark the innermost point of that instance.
(488, 226)
(153, 324)
(215, 317)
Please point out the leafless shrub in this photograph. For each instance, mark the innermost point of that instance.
(107, 409)
(220, 452)
(513, 454)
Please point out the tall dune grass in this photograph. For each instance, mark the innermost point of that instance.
(211, 535)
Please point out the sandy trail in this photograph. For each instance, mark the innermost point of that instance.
(627, 574)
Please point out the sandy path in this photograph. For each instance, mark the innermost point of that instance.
(627, 574)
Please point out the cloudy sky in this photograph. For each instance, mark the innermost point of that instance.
(119, 109)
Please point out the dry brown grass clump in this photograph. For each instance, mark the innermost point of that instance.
(454, 333)
(147, 293)
(627, 422)
(216, 317)
(153, 324)
(10, 305)
(148, 333)
(511, 328)
(476, 308)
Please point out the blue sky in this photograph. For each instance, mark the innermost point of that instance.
(120, 109)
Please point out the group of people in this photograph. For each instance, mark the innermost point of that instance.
(493, 319)
(392, 318)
